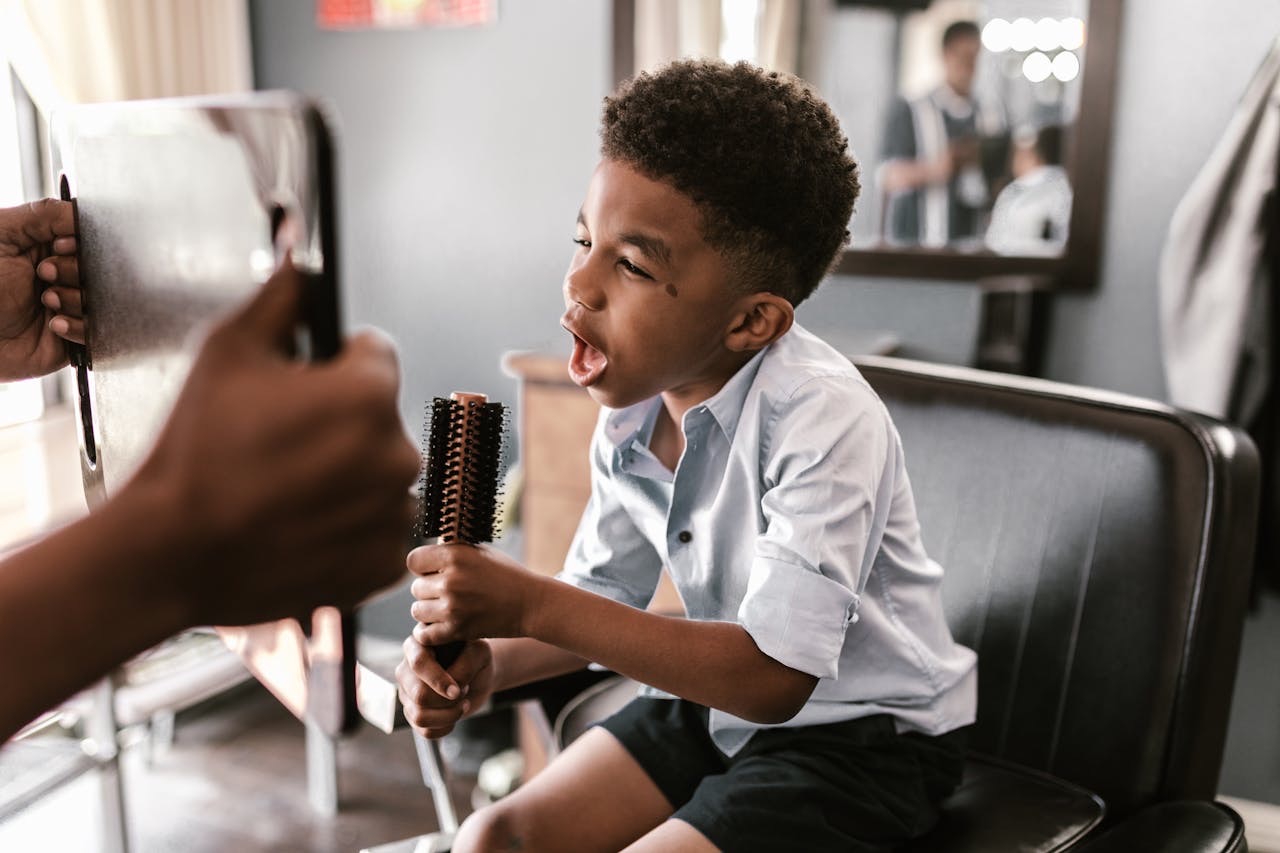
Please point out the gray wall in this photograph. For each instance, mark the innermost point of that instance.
(463, 157)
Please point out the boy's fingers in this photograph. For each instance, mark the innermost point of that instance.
(426, 588)
(64, 246)
(431, 613)
(430, 559)
(423, 665)
(472, 660)
(420, 634)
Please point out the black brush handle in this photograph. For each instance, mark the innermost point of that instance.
(447, 653)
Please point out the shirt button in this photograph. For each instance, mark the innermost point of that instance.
(685, 536)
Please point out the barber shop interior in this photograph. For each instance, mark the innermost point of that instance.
(493, 408)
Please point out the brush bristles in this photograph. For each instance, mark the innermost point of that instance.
(464, 445)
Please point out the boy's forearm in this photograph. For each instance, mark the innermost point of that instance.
(520, 660)
(712, 663)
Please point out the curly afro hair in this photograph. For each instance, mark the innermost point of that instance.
(758, 152)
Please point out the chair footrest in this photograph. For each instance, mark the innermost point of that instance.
(31, 768)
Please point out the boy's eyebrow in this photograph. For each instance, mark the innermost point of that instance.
(654, 247)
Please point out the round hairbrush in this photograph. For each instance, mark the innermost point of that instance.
(463, 445)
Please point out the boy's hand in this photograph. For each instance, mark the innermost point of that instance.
(425, 687)
(470, 592)
(38, 240)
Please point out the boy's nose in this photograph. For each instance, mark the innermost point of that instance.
(580, 288)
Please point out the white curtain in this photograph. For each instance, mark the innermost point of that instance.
(84, 51)
(672, 29)
(778, 37)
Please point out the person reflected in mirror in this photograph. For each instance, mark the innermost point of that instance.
(1032, 213)
(935, 192)
(275, 486)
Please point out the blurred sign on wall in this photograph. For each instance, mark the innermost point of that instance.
(396, 14)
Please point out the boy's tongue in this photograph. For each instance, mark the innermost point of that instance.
(587, 363)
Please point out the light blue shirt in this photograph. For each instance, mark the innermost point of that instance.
(789, 513)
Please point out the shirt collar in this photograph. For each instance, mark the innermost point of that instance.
(623, 426)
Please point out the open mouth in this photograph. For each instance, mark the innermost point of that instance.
(587, 364)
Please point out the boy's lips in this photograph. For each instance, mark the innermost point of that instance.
(587, 364)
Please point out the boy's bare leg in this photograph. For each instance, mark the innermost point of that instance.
(673, 836)
(593, 796)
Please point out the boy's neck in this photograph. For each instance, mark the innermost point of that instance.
(667, 442)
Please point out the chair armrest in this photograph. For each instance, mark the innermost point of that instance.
(1186, 826)
(553, 694)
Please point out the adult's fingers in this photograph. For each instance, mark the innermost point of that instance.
(59, 269)
(41, 221)
(268, 319)
(64, 300)
(371, 356)
(68, 328)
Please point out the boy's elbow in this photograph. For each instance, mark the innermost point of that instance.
(782, 702)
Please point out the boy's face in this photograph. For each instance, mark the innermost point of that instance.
(648, 300)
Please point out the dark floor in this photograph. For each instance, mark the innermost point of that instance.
(235, 780)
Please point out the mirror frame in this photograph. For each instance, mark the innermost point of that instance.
(1088, 161)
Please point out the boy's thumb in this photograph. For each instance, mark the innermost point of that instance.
(269, 318)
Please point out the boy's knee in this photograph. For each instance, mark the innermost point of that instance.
(495, 827)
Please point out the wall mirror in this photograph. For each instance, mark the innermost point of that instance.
(982, 127)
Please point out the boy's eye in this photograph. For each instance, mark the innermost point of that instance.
(632, 268)
(582, 241)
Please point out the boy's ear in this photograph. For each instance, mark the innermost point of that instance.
(762, 318)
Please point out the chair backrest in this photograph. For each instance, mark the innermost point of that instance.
(1097, 550)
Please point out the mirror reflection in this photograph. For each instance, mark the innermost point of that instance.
(959, 112)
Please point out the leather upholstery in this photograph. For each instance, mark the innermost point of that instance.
(1001, 806)
(1097, 550)
(1175, 827)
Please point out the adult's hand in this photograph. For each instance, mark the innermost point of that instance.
(38, 245)
(287, 483)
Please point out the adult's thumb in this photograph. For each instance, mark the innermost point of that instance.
(270, 317)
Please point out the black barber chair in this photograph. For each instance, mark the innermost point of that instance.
(1097, 552)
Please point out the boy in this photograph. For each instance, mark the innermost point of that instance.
(816, 675)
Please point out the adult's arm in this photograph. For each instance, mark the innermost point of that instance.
(275, 487)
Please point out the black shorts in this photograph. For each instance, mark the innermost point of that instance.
(851, 786)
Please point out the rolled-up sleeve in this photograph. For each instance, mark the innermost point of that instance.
(825, 456)
(609, 555)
